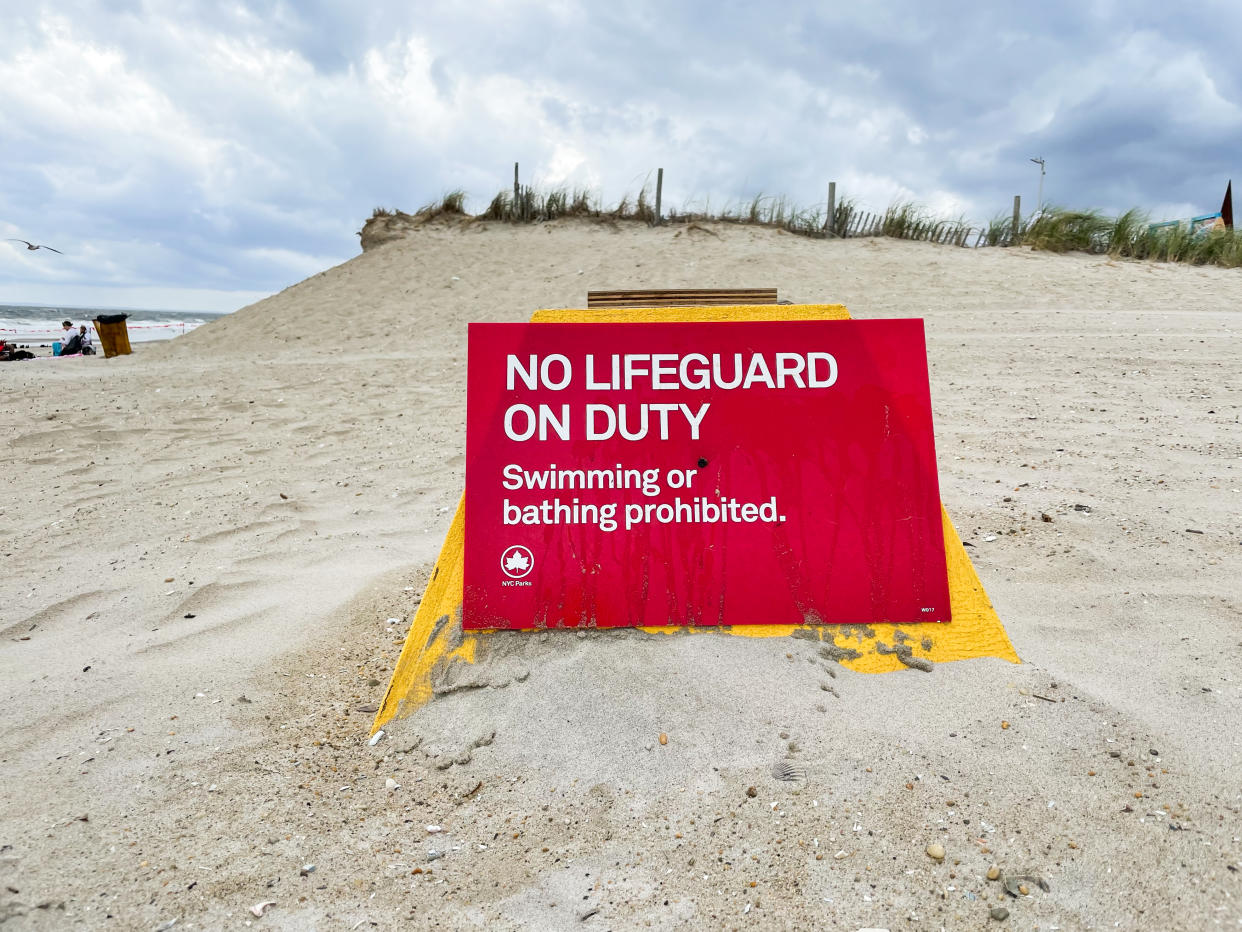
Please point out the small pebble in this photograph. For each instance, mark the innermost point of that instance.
(392, 784)
(999, 913)
(1004, 725)
(751, 792)
(663, 738)
(993, 872)
(935, 852)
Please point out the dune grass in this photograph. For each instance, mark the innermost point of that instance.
(1054, 229)
(1130, 236)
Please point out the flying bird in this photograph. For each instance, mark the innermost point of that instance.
(30, 245)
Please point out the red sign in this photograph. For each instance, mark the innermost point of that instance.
(701, 474)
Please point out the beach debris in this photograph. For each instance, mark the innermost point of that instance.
(935, 852)
(434, 855)
(663, 738)
(785, 771)
(999, 913)
(1022, 884)
(375, 738)
(165, 925)
(434, 829)
(1191, 530)
(284, 496)
(391, 784)
(831, 651)
(258, 909)
(1083, 508)
(905, 654)
(1045, 517)
(751, 792)
(368, 709)
(587, 913)
(306, 869)
(989, 538)
(1004, 725)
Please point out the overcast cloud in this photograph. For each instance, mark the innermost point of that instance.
(199, 155)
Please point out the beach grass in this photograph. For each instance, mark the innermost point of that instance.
(1130, 235)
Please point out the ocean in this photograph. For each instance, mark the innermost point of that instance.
(40, 324)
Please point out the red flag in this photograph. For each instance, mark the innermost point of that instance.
(1226, 207)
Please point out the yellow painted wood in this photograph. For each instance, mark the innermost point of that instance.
(724, 313)
(436, 638)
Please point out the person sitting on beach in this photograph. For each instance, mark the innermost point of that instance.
(72, 340)
(11, 352)
(88, 345)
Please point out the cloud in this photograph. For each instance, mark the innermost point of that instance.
(236, 147)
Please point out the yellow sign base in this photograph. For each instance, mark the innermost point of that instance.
(436, 638)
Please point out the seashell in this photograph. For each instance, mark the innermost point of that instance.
(785, 771)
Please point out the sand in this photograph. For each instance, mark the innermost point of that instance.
(203, 546)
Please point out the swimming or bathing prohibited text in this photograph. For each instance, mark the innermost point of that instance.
(700, 473)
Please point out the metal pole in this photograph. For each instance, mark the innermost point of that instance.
(832, 207)
(659, 193)
(1017, 218)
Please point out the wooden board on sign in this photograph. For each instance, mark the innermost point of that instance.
(688, 297)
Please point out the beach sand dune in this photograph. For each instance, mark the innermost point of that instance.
(211, 551)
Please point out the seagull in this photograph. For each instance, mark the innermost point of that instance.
(30, 245)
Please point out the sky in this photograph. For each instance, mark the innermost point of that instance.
(201, 155)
